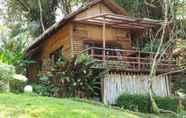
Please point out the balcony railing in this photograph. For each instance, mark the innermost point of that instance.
(133, 60)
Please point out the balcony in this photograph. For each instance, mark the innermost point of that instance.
(128, 60)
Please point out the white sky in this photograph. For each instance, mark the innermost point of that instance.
(1, 19)
(59, 14)
(1, 5)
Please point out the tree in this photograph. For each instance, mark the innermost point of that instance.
(13, 45)
(142, 8)
(167, 36)
(39, 13)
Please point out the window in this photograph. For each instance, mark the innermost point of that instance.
(94, 45)
(56, 55)
(137, 41)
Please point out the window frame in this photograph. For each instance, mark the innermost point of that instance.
(55, 55)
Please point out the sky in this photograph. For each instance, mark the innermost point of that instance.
(1, 20)
(1, 11)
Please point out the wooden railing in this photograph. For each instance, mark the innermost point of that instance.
(134, 60)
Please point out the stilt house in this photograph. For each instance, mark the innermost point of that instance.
(105, 31)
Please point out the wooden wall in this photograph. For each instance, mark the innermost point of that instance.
(34, 68)
(72, 36)
(87, 33)
(61, 38)
(116, 84)
(82, 32)
(33, 71)
(95, 10)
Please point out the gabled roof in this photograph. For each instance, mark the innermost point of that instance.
(54, 28)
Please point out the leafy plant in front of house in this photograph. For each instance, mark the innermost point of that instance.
(80, 78)
(74, 78)
(44, 85)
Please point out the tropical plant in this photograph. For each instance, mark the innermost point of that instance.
(70, 78)
(81, 78)
(13, 45)
(46, 84)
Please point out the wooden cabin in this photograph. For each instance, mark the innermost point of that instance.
(105, 31)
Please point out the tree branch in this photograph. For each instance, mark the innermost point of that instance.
(41, 15)
(149, 4)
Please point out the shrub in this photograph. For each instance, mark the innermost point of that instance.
(141, 102)
(184, 103)
(9, 80)
(6, 74)
(18, 83)
(46, 84)
(6, 71)
(167, 103)
(81, 78)
(70, 78)
(46, 88)
(41, 89)
(133, 102)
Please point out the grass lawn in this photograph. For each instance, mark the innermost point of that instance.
(23, 106)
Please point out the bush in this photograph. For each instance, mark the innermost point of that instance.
(81, 78)
(167, 103)
(9, 80)
(141, 102)
(41, 89)
(44, 89)
(6, 74)
(184, 103)
(17, 86)
(71, 78)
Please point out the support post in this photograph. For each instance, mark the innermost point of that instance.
(92, 53)
(104, 58)
(104, 40)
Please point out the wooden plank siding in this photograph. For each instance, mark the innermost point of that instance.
(83, 32)
(116, 84)
(61, 39)
(95, 10)
(91, 33)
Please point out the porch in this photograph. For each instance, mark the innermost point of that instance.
(128, 60)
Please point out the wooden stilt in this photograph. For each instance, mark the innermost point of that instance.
(104, 40)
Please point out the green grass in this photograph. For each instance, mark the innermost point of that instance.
(24, 106)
